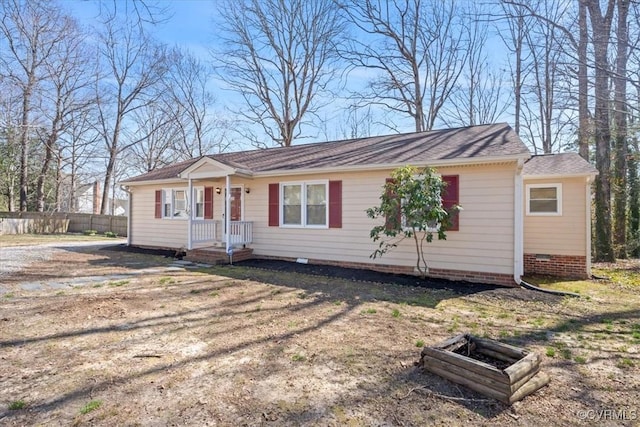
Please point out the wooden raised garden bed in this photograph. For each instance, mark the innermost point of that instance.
(497, 370)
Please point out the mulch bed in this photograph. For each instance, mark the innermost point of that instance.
(460, 287)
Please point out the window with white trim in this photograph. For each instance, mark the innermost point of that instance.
(174, 203)
(198, 203)
(544, 199)
(304, 204)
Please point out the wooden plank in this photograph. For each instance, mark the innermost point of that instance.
(535, 383)
(480, 388)
(470, 376)
(515, 372)
(451, 341)
(516, 385)
(467, 363)
(496, 355)
(506, 349)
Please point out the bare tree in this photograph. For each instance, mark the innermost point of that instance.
(620, 126)
(280, 58)
(159, 147)
(191, 103)
(601, 33)
(416, 51)
(479, 96)
(135, 66)
(65, 91)
(32, 30)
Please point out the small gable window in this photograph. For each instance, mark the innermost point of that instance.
(544, 199)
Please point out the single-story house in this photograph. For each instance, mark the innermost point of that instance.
(521, 213)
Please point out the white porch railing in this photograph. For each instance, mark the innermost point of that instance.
(212, 231)
(241, 233)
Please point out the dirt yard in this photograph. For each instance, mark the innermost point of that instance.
(95, 336)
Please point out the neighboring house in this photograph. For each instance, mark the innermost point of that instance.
(307, 203)
(88, 199)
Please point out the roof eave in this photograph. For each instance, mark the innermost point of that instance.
(152, 181)
(562, 175)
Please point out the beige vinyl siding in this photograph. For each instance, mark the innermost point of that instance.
(558, 235)
(484, 242)
(150, 231)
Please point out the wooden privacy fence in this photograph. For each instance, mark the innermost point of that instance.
(39, 222)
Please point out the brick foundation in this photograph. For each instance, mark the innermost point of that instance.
(569, 266)
(469, 276)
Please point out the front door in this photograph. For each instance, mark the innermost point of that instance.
(235, 210)
(236, 204)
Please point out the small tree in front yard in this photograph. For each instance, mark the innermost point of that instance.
(411, 204)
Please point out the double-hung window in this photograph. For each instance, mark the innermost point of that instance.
(544, 199)
(198, 203)
(304, 204)
(174, 203)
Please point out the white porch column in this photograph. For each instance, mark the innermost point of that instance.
(227, 213)
(190, 213)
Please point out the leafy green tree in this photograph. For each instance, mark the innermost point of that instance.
(411, 204)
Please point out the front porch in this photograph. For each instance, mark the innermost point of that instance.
(212, 233)
(217, 255)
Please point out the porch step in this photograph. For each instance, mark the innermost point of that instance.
(215, 255)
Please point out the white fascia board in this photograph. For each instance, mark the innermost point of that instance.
(152, 182)
(560, 176)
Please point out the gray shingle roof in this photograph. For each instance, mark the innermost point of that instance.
(474, 142)
(558, 164)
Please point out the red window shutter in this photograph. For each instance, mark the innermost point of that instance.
(450, 198)
(335, 204)
(274, 205)
(158, 204)
(391, 222)
(208, 202)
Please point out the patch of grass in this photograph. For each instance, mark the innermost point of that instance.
(97, 285)
(166, 280)
(16, 405)
(298, 358)
(565, 353)
(625, 362)
(59, 293)
(302, 295)
(504, 315)
(538, 321)
(110, 234)
(118, 283)
(580, 359)
(455, 325)
(91, 406)
(214, 294)
(90, 232)
(395, 313)
(419, 343)
(369, 311)
(9, 295)
(338, 302)
(551, 352)
(503, 334)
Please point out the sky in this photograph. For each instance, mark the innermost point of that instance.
(193, 25)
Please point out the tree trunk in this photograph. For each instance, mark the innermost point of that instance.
(634, 198)
(583, 84)
(48, 156)
(601, 26)
(620, 142)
